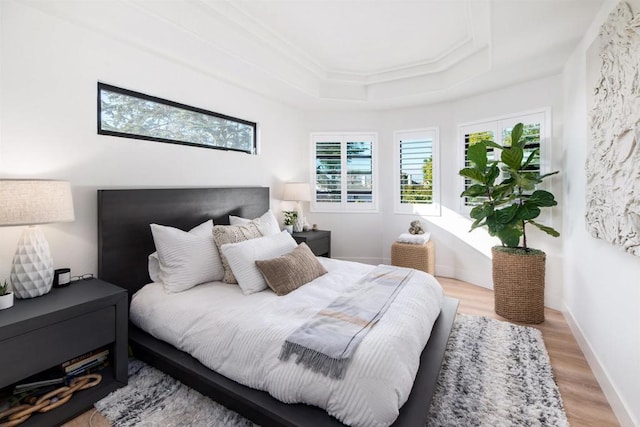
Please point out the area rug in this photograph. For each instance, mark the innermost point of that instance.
(494, 374)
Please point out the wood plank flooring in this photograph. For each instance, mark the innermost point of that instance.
(584, 402)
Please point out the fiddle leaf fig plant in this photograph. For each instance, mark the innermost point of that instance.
(507, 189)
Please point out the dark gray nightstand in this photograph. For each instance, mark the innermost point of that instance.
(40, 333)
(319, 241)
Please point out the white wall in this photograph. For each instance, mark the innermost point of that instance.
(601, 281)
(368, 237)
(49, 72)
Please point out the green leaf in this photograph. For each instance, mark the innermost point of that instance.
(473, 174)
(549, 230)
(477, 223)
(477, 153)
(475, 190)
(512, 157)
(492, 144)
(516, 134)
(527, 212)
(506, 215)
(526, 181)
(481, 211)
(541, 177)
(492, 174)
(532, 156)
(510, 236)
(542, 198)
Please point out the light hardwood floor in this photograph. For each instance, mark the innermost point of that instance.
(584, 402)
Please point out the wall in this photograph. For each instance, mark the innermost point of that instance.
(368, 237)
(601, 288)
(48, 78)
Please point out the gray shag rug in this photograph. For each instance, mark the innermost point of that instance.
(494, 374)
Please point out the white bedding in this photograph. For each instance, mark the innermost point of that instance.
(240, 336)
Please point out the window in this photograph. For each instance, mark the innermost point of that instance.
(499, 130)
(344, 172)
(416, 163)
(129, 114)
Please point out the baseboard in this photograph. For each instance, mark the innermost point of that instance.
(617, 404)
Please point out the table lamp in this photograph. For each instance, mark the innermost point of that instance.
(31, 202)
(298, 192)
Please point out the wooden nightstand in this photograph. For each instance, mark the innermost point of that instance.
(318, 241)
(40, 333)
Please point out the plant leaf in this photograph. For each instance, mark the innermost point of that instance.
(481, 211)
(527, 212)
(510, 236)
(532, 156)
(492, 144)
(473, 174)
(475, 190)
(506, 215)
(542, 198)
(477, 153)
(541, 177)
(512, 157)
(549, 230)
(516, 134)
(493, 173)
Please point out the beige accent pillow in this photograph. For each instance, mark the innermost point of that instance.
(223, 234)
(288, 272)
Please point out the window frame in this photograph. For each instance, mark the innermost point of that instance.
(427, 209)
(103, 87)
(498, 124)
(344, 206)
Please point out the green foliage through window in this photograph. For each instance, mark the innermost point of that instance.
(131, 114)
(416, 171)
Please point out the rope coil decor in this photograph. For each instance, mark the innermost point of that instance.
(58, 397)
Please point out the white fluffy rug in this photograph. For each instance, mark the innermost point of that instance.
(494, 374)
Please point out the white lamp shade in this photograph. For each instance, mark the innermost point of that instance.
(33, 201)
(30, 202)
(297, 191)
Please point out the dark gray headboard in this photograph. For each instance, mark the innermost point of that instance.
(124, 236)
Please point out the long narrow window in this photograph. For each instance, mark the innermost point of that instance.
(130, 114)
(499, 130)
(416, 171)
(344, 172)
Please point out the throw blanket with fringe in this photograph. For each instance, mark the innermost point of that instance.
(326, 342)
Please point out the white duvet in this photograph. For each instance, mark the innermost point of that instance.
(240, 336)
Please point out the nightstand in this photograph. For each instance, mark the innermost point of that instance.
(318, 241)
(40, 333)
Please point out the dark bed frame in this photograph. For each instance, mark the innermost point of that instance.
(124, 243)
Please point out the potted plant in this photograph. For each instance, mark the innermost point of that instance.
(290, 218)
(6, 296)
(509, 203)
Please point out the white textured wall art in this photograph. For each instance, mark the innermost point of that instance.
(613, 162)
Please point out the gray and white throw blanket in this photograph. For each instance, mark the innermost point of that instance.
(326, 342)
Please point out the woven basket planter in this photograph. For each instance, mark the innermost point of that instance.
(518, 284)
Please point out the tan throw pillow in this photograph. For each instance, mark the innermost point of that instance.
(224, 234)
(288, 272)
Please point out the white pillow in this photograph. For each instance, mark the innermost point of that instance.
(154, 263)
(185, 258)
(154, 268)
(242, 258)
(267, 222)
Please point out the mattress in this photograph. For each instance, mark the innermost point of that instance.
(240, 336)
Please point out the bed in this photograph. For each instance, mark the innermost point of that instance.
(125, 242)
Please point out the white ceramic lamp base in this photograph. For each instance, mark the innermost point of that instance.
(32, 269)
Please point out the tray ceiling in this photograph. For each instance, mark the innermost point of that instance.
(366, 54)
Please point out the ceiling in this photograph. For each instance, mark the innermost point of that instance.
(363, 54)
